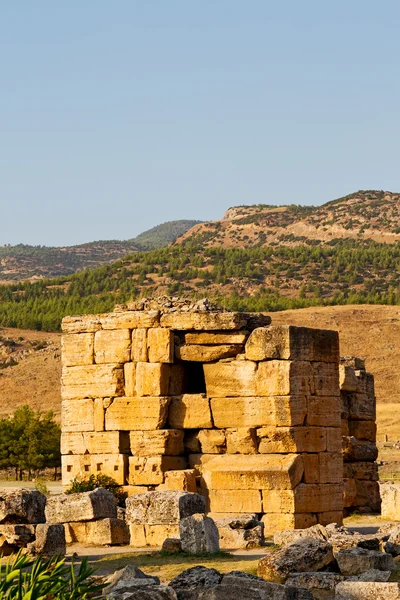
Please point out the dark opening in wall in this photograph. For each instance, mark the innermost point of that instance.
(194, 381)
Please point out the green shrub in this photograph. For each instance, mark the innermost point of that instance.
(79, 485)
(24, 578)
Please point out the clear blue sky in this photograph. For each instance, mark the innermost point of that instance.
(118, 115)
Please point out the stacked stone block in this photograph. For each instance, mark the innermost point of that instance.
(359, 437)
(247, 414)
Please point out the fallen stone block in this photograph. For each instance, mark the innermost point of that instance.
(144, 590)
(126, 579)
(243, 585)
(304, 555)
(163, 508)
(49, 540)
(102, 532)
(239, 532)
(172, 545)
(199, 534)
(17, 536)
(318, 532)
(20, 506)
(390, 494)
(86, 506)
(151, 535)
(274, 522)
(392, 546)
(315, 582)
(194, 579)
(354, 561)
(367, 591)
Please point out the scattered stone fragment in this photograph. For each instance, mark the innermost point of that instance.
(304, 555)
(367, 591)
(49, 540)
(354, 561)
(172, 545)
(20, 506)
(127, 578)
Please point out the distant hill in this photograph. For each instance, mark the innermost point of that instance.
(23, 262)
(364, 215)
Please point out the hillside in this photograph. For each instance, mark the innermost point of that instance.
(371, 332)
(22, 262)
(364, 215)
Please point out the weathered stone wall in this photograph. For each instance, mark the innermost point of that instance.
(222, 403)
(357, 393)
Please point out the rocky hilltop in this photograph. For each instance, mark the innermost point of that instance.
(364, 215)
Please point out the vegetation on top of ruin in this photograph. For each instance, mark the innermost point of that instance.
(23, 262)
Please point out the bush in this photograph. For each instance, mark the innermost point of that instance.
(79, 485)
(23, 578)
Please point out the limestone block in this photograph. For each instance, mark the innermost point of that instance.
(361, 407)
(139, 351)
(235, 378)
(151, 535)
(363, 430)
(204, 354)
(184, 480)
(317, 532)
(74, 465)
(274, 522)
(293, 343)
(357, 590)
(278, 501)
(113, 465)
(212, 441)
(235, 501)
(326, 379)
(312, 498)
(159, 441)
(150, 470)
(210, 338)
(354, 362)
(345, 426)
(163, 507)
(312, 467)
(176, 380)
(253, 472)
(204, 321)
(81, 324)
(331, 467)
(306, 555)
(390, 494)
(199, 534)
(190, 411)
(333, 439)
(22, 505)
(49, 540)
(242, 440)
(16, 536)
(275, 440)
(347, 379)
(332, 516)
(102, 532)
(77, 415)
(112, 346)
(152, 379)
(131, 319)
(362, 470)
(142, 414)
(354, 561)
(366, 383)
(325, 411)
(92, 381)
(320, 584)
(283, 377)
(99, 410)
(160, 345)
(246, 539)
(359, 450)
(86, 506)
(258, 411)
(103, 442)
(130, 379)
(77, 349)
(349, 492)
(368, 494)
(198, 461)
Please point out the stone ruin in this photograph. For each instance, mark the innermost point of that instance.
(248, 414)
